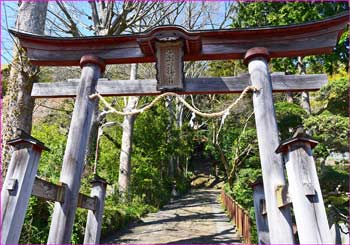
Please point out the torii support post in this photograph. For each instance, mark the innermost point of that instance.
(94, 219)
(279, 216)
(305, 191)
(260, 212)
(73, 161)
(18, 185)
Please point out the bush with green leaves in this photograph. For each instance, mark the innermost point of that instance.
(154, 144)
(35, 229)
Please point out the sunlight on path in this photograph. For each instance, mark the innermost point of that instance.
(194, 218)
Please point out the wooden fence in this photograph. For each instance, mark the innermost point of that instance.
(238, 215)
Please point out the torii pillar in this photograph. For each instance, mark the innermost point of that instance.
(18, 185)
(94, 218)
(305, 190)
(73, 161)
(279, 216)
(260, 211)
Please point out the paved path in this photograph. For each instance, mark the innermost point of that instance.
(194, 218)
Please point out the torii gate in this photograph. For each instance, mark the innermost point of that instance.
(170, 46)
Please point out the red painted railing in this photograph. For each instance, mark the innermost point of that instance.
(238, 215)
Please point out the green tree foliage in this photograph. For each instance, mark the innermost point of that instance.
(289, 116)
(334, 184)
(233, 144)
(334, 96)
(150, 184)
(330, 123)
(35, 228)
(50, 161)
(257, 14)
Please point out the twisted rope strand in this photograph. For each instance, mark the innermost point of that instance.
(190, 107)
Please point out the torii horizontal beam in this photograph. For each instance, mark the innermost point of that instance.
(312, 38)
(49, 191)
(280, 83)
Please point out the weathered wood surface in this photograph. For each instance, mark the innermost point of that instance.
(317, 37)
(280, 83)
(94, 219)
(73, 161)
(86, 202)
(48, 191)
(279, 219)
(52, 192)
(16, 190)
(170, 65)
(305, 191)
(260, 214)
(340, 233)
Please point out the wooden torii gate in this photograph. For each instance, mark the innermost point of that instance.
(170, 46)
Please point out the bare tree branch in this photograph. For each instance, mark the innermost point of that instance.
(94, 15)
(72, 25)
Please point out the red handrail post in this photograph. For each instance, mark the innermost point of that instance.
(238, 215)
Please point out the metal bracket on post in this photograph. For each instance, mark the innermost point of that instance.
(283, 199)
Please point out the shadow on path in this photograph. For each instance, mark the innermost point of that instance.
(194, 218)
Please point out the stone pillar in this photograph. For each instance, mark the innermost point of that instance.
(94, 218)
(305, 191)
(18, 185)
(260, 212)
(280, 221)
(73, 161)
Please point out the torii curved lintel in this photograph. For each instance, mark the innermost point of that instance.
(318, 37)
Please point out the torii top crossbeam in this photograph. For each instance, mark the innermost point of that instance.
(312, 38)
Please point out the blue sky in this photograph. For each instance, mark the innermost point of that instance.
(8, 18)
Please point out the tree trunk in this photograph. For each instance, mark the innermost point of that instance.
(289, 97)
(179, 123)
(304, 100)
(171, 162)
(290, 100)
(18, 104)
(223, 161)
(126, 148)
